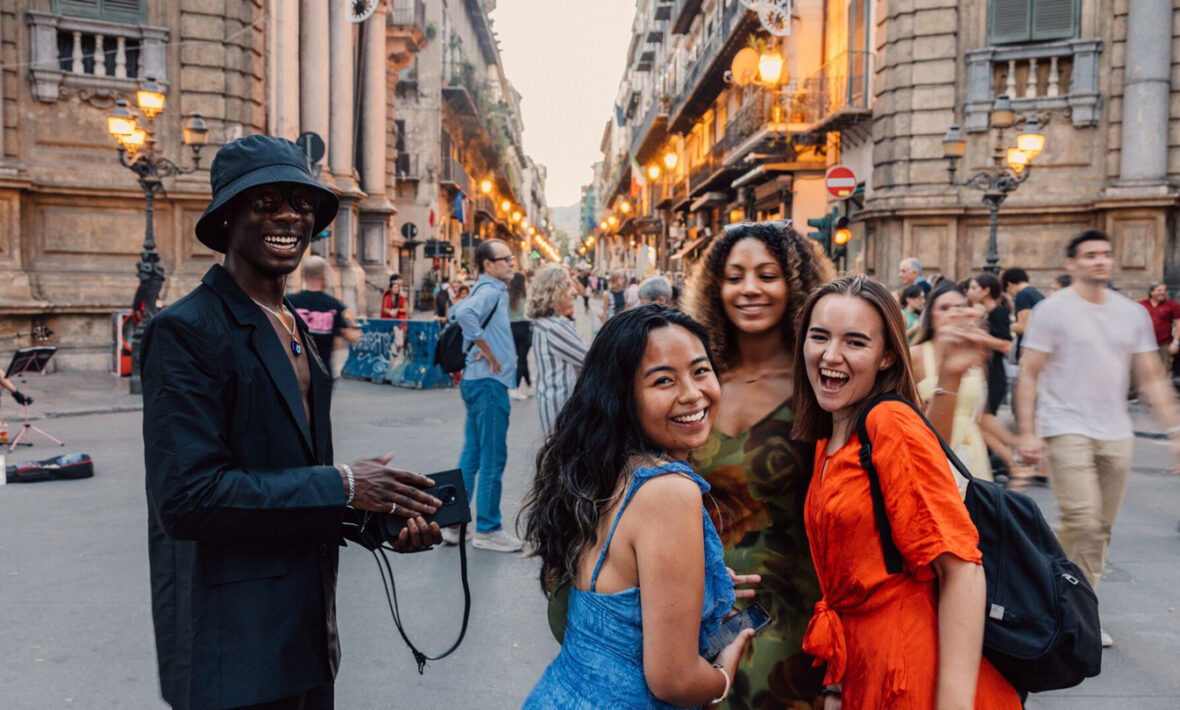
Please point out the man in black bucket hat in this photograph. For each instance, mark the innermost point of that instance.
(245, 507)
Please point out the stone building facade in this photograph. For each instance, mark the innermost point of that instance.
(459, 131)
(1109, 108)
(72, 218)
(875, 85)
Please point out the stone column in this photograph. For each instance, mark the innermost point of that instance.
(283, 38)
(376, 210)
(314, 91)
(374, 126)
(341, 48)
(1146, 91)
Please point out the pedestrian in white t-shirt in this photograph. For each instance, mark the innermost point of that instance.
(1080, 347)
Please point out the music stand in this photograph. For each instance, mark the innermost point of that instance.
(30, 360)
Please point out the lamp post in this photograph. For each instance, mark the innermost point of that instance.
(137, 153)
(1011, 166)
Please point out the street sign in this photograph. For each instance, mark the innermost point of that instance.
(409, 231)
(840, 181)
(312, 146)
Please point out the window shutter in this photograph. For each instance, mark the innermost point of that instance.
(1054, 19)
(77, 8)
(858, 42)
(1009, 21)
(113, 10)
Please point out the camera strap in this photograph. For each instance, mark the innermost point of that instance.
(391, 598)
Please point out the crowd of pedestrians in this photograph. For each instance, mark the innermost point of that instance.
(700, 453)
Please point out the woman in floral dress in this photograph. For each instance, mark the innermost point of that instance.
(748, 291)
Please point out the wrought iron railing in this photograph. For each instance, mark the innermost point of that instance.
(453, 172)
(842, 83)
(406, 166)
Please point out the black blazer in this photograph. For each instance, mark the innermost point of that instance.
(245, 509)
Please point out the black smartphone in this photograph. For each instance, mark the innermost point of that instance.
(448, 488)
(752, 617)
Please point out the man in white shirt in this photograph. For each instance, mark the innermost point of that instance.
(1080, 347)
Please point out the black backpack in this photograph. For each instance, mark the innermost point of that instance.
(1041, 630)
(449, 353)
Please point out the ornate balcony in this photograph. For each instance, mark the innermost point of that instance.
(96, 57)
(1037, 77)
(405, 31)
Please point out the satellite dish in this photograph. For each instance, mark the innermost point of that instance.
(745, 66)
(361, 10)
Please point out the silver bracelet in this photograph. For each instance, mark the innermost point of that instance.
(351, 482)
(728, 683)
(939, 390)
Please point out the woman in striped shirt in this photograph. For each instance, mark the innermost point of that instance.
(558, 349)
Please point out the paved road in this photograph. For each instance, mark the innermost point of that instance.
(75, 625)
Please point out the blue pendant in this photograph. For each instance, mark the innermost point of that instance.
(296, 347)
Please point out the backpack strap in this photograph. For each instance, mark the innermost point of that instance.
(893, 559)
(487, 319)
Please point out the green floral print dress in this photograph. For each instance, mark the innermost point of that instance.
(759, 481)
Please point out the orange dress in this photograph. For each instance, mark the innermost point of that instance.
(879, 632)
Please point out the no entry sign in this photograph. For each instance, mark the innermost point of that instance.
(840, 181)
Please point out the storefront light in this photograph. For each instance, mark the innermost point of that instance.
(770, 68)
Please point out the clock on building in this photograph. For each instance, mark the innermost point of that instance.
(360, 10)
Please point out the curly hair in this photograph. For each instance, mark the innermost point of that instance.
(804, 266)
(546, 286)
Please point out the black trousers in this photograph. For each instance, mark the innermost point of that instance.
(321, 698)
(522, 337)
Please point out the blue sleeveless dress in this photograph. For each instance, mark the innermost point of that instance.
(600, 664)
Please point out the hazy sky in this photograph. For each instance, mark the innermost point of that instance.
(566, 58)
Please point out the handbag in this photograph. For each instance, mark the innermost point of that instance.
(1041, 631)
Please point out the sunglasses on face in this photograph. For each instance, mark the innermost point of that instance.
(510, 258)
(269, 198)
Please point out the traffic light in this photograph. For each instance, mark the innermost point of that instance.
(841, 235)
(823, 226)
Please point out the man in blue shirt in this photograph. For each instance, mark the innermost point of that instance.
(489, 374)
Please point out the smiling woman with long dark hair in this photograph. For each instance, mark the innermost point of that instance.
(615, 509)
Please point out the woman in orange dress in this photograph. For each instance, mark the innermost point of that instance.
(911, 640)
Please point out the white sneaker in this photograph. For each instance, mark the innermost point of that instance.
(517, 395)
(450, 536)
(1107, 641)
(497, 541)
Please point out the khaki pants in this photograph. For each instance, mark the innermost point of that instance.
(1166, 359)
(1088, 477)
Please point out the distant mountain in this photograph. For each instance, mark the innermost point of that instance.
(566, 219)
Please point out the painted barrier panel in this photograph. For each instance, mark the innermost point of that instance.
(400, 352)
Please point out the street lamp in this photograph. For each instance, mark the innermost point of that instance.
(1011, 166)
(137, 153)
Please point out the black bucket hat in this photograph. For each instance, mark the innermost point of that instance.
(252, 161)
